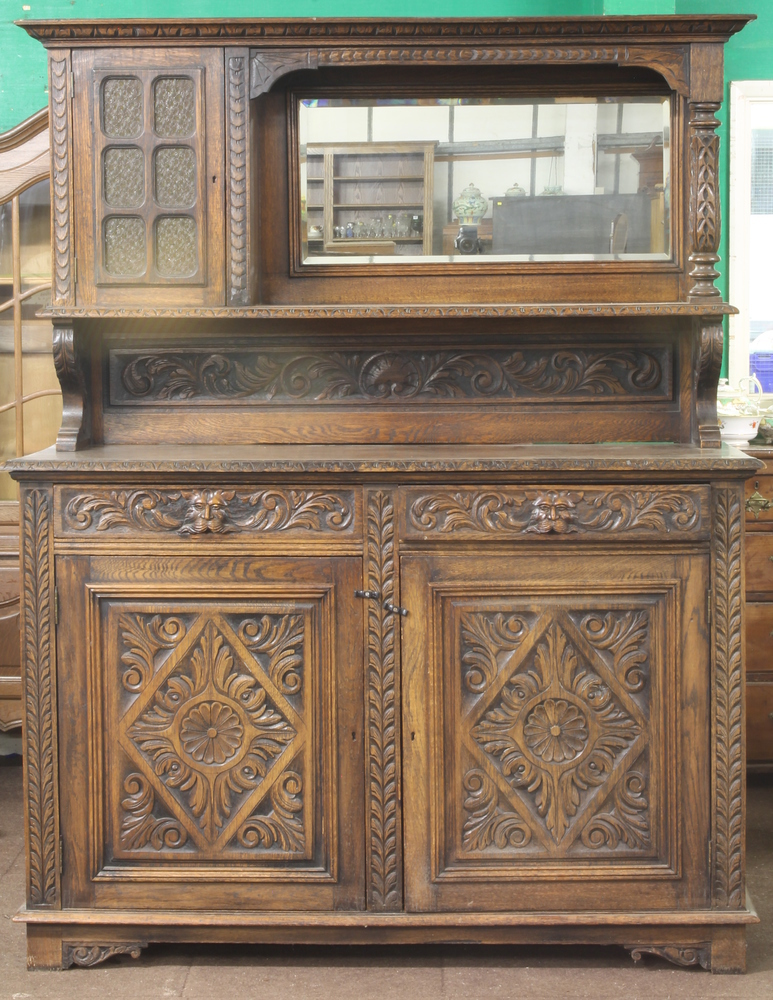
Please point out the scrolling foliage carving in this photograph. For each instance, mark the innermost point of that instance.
(39, 702)
(383, 700)
(215, 733)
(87, 955)
(557, 732)
(586, 511)
(388, 376)
(215, 511)
(728, 728)
(697, 955)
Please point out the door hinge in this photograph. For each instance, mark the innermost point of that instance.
(61, 855)
(75, 270)
(56, 605)
(72, 85)
(710, 856)
(708, 607)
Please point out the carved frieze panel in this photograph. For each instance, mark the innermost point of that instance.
(671, 512)
(249, 376)
(216, 511)
(213, 713)
(557, 712)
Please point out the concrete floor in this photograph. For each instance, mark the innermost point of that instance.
(196, 972)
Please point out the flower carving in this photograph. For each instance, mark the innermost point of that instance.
(556, 731)
(211, 733)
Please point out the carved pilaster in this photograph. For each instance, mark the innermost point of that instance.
(704, 199)
(710, 336)
(267, 65)
(382, 704)
(238, 153)
(72, 365)
(39, 680)
(728, 838)
(62, 290)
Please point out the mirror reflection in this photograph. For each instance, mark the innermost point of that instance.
(453, 179)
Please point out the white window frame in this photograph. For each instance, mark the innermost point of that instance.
(743, 94)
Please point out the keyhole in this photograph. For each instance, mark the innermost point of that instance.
(214, 178)
(413, 736)
(354, 736)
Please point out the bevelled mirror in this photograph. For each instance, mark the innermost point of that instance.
(487, 180)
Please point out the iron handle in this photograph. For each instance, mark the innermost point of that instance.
(366, 593)
(393, 607)
(756, 503)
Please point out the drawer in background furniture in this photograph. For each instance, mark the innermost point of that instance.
(758, 494)
(759, 638)
(759, 723)
(759, 562)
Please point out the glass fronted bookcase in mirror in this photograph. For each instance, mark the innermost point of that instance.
(497, 179)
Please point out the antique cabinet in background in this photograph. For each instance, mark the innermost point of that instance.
(374, 596)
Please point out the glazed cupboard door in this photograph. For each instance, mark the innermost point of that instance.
(550, 706)
(148, 171)
(211, 713)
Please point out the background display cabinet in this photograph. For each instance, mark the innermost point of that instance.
(385, 582)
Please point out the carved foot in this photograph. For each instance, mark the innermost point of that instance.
(699, 954)
(93, 954)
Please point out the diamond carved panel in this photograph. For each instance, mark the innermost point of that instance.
(213, 718)
(555, 708)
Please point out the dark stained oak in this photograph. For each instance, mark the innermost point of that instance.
(389, 604)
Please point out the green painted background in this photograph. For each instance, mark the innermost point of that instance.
(23, 80)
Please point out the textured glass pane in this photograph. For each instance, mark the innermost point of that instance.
(176, 246)
(124, 246)
(175, 176)
(173, 106)
(122, 107)
(124, 177)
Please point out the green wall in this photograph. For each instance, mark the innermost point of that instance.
(23, 80)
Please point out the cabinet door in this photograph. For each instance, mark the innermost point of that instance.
(211, 721)
(148, 165)
(555, 727)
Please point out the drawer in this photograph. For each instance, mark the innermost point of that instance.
(759, 564)
(759, 723)
(209, 510)
(495, 513)
(759, 638)
(761, 488)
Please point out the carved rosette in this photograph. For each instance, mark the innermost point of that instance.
(212, 723)
(557, 511)
(728, 889)
(384, 847)
(39, 680)
(209, 511)
(60, 157)
(705, 206)
(237, 193)
(388, 376)
(560, 748)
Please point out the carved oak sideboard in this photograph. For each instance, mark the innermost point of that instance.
(374, 592)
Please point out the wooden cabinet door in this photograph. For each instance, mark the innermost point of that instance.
(555, 727)
(211, 732)
(148, 162)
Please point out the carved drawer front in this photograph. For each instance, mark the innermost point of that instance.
(496, 513)
(759, 723)
(759, 562)
(545, 726)
(207, 511)
(759, 638)
(217, 706)
(759, 500)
